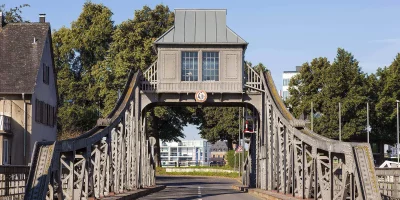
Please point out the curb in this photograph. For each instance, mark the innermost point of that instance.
(137, 193)
(269, 195)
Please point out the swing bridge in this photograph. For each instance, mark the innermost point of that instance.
(284, 155)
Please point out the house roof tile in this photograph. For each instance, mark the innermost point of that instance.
(21, 49)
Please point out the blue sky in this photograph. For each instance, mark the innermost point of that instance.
(281, 34)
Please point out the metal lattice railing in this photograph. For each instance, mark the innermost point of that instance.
(149, 81)
(252, 79)
(389, 182)
(12, 181)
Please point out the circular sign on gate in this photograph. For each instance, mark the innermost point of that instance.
(201, 96)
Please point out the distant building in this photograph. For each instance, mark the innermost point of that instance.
(390, 151)
(286, 76)
(218, 151)
(186, 152)
(28, 89)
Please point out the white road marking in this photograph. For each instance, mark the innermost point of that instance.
(199, 192)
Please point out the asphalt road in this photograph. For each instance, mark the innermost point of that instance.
(200, 188)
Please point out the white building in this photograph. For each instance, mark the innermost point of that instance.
(286, 76)
(186, 152)
(390, 150)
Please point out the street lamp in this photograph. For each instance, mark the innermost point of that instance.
(397, 129)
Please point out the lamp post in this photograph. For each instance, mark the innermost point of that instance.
(340, 123)
(397, 129)
(312, 117)
(368, 127)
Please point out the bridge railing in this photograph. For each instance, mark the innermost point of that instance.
(389, 182)
(252, 79)
(13, 179)
(149, 81)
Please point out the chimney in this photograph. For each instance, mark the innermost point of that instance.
(42, 18)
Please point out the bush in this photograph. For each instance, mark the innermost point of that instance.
(230, 157)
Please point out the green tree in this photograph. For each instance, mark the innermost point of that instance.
(13, 15)
(221, 123)
(132, 48)
(326, 85)
(388, 91)
(305, 87)
(78, 53)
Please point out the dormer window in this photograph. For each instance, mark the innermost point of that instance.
(210, 66)
(190, 67)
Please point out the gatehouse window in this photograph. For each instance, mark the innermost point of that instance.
(189, 66)
(210, 66)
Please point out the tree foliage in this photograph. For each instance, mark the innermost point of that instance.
(13, 15)
(78, 54)
(386, 86)
(132, 49)
(327, 85)
(220, 123)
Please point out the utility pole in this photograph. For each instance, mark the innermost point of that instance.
(244, 114)
(239, 142)
(312, 117)
(397, 147)
(368, 128)
(340, 123)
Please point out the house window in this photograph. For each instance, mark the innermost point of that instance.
(286, 82)
(210, 66)
(5, 152)
(45, 113)
(46, 74)
(189, 66)
(285, 95)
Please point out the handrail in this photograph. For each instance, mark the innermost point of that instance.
(252, 79)
(150, 79)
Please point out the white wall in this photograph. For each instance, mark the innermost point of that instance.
(286, 76)
(189, 147)
(46, 93)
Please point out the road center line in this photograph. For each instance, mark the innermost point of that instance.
(199, 192)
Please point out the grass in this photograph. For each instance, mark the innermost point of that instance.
(162, 171)
(226, 167)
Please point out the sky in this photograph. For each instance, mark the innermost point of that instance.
(281, 34)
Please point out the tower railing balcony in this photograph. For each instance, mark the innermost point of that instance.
(5, 124)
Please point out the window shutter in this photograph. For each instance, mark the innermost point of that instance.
(36, 110)
(53, 116)
(44, 73)
(41, 112)
(48, 73)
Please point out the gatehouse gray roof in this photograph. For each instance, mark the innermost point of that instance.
(200, 26)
